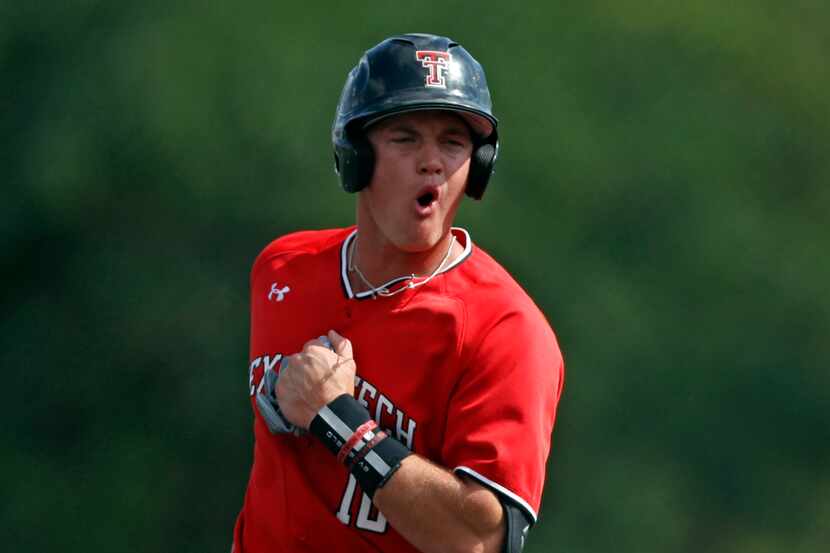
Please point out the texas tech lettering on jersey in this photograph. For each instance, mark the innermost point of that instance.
(437, 63)
(263, 362)
(382, 408)
(384, 411)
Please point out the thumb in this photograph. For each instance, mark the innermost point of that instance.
(342, 346)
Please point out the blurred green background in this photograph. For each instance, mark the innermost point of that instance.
(661, 192)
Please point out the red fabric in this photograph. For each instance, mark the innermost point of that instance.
(465, 370)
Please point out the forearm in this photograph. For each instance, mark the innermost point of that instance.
(437, 511)
(428, 505)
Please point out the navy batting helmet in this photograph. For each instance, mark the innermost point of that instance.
(409, 73)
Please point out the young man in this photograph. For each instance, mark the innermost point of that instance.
(405, 387)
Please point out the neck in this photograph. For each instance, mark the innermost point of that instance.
(373, 263)
(380, 261)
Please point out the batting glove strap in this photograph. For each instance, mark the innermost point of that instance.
(345, 429)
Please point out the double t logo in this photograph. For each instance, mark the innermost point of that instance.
(438, 63)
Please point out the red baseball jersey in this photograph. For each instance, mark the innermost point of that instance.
(464, 370)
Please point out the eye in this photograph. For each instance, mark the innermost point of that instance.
(402, 139)
(455, 142)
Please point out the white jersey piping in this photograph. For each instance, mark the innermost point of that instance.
(498, 488)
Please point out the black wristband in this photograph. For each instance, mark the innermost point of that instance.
(375, 468)
(336, 422)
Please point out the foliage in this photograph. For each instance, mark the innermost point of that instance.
(661, 192)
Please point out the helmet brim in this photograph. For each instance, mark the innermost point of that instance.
(480, 125)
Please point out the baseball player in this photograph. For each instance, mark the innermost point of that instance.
(404, 385)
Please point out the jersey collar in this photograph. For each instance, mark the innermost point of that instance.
(460, 234)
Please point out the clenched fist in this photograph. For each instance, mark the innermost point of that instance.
(315, 376)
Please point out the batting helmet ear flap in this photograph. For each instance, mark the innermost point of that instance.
(354, 161)
(482, 164)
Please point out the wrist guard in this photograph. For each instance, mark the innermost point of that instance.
(347, 430)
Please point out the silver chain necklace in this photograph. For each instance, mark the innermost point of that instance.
(410, 280)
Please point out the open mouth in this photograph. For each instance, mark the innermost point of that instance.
(426, 199)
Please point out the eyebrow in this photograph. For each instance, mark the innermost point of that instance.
(402, 127)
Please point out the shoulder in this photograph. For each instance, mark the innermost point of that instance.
(498, 311)
(301, 243)
(486, 286)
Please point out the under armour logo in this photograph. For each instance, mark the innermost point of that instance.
(279, 292)
(437, 63)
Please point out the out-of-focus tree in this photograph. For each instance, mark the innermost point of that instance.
(661, 191)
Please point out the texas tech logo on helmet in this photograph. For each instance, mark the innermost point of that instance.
(437, 63)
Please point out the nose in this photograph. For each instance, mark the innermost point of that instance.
(430, 161)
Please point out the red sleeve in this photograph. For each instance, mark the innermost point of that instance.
(502, 412)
